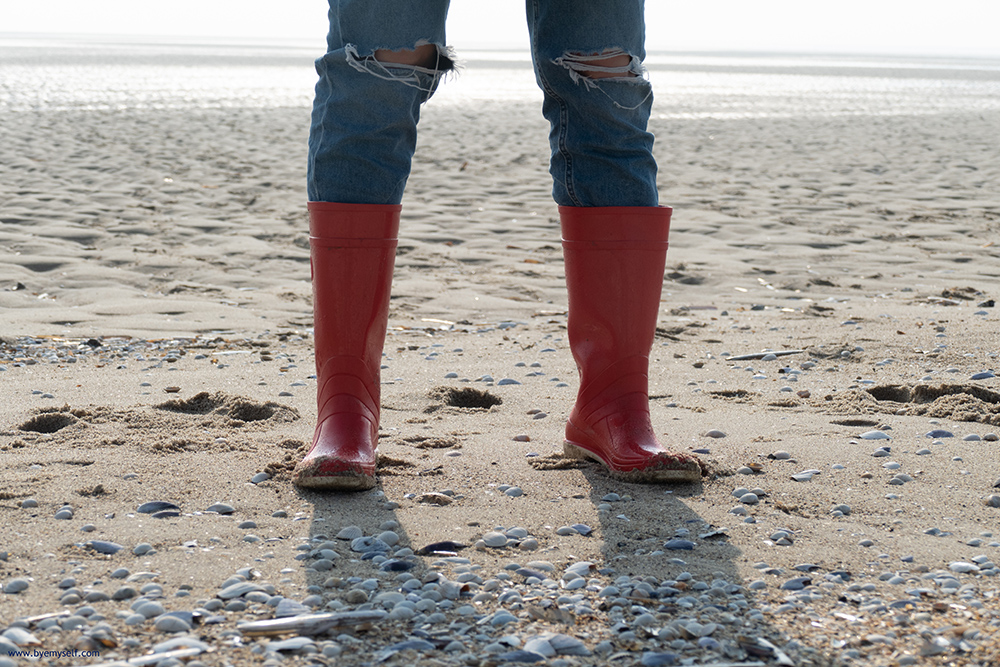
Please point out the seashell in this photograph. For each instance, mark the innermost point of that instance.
(349, 533)
(441, 547)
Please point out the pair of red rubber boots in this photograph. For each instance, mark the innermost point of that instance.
(614, 272)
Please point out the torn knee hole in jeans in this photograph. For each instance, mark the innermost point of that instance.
(416, 76)
(589, 68)
(615, 65)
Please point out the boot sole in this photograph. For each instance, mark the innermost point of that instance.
(347, 480)
(647, 476)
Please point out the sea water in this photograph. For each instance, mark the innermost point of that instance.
(51, 73)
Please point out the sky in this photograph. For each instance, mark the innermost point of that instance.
(904, 27)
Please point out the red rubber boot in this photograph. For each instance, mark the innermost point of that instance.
(353, 251)
(615, 258)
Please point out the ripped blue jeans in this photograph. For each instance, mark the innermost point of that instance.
(365, 114)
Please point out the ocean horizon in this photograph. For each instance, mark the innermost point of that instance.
(102, 73)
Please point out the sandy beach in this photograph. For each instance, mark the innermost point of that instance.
(155, 345)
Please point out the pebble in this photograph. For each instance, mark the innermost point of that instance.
(142, 549)
(149, 609)
(102, 547)
(15, 586)
(221, 508)
(28, 503)
(963, 567)
(155, 506)
(171, 624)
(875, 435)
(779, 455)
(260, 477)
(657, 659)
(985, 375)
(750, 498)
(678, 544)
(495, 539)
(939, 433)
(715, 433)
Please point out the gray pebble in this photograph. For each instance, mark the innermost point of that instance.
(260, 477)
(142, 549)
(124, 593)
(28, 503)
(15, 586)
(149, 609)
(677, 544)
(171, 624)
(102, 547)
(796, 584)
(154, 506)
(221, 508)
(495, 539)
(64, 514)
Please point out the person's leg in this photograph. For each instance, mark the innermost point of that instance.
(588, 63)
(384, 59)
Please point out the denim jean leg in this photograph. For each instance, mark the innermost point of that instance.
(365, 113)
(601, 149)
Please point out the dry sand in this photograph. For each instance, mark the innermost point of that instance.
(155, 250)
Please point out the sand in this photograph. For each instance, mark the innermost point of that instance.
(156, 346)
